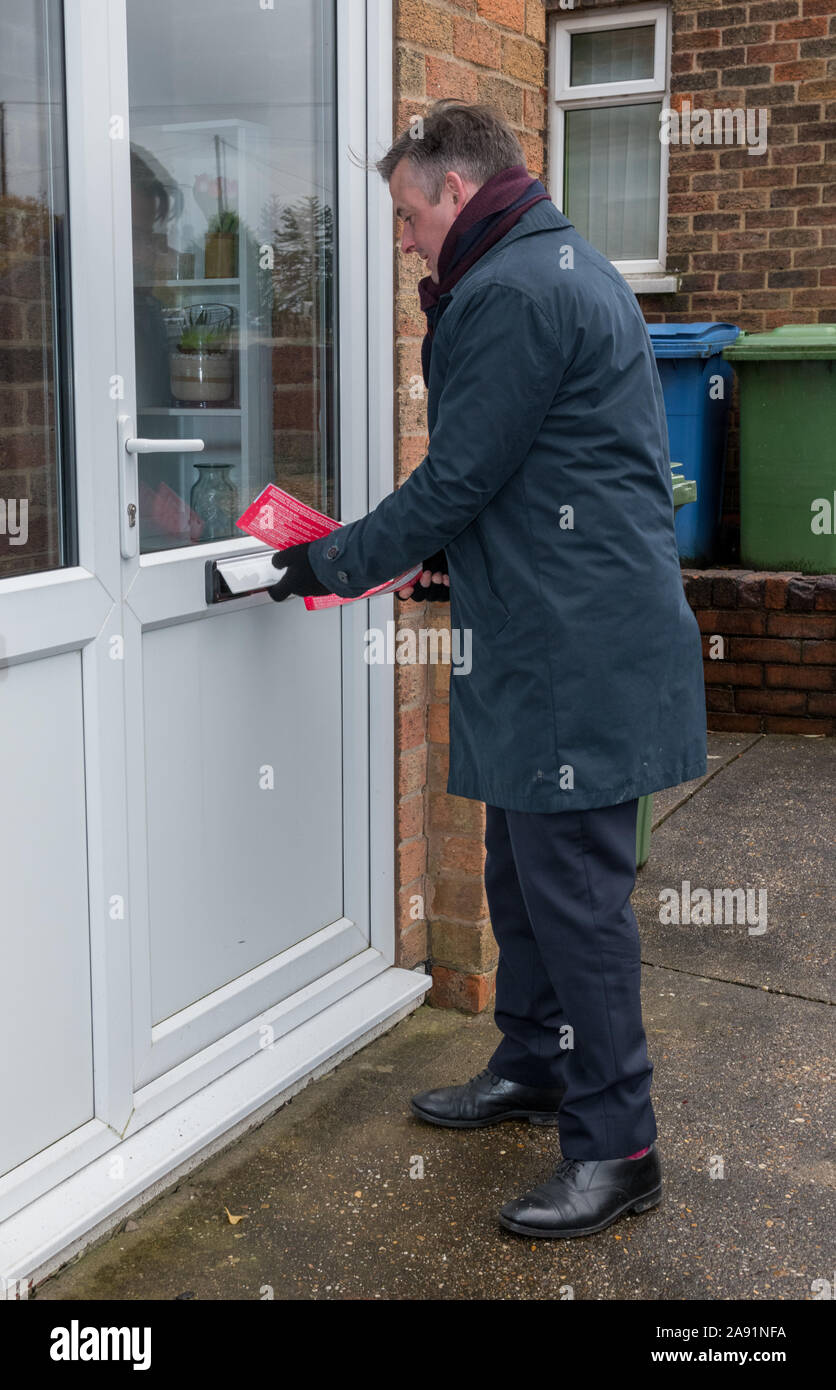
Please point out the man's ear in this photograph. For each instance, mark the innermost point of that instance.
(455, 187)
(461, 190)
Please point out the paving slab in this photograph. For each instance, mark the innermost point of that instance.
(722, 749)
(765, 821)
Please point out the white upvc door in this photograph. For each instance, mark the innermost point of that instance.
(210, 874)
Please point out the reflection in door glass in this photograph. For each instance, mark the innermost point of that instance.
(36, 506)
(232, 110)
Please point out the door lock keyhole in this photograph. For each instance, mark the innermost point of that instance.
(132, 513)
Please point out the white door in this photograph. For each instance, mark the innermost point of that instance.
(235, 721)
(186, 799)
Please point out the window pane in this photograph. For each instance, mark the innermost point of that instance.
(612, 168)
(612, 55)
(232, 114)
(35, 413)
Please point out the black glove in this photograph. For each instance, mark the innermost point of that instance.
(435, 593)
(300, 578)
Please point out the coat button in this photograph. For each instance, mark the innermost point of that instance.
(331, 552)
(341, 575)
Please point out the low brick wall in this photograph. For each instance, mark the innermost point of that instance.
(769, 642)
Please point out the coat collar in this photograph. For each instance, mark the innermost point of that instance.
(542, 217)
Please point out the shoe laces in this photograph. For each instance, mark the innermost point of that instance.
(567, 1167)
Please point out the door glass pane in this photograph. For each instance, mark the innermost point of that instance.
(612, 55)
(36, 503)
(232, 115)
(611, 181)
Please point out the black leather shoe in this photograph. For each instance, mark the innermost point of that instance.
(584, 1196)
(485, 1100)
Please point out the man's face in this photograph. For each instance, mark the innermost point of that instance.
(426, 224)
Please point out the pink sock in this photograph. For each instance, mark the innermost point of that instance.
(641, 1153)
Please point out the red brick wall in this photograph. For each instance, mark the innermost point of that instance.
(474, 50)
(775, 671)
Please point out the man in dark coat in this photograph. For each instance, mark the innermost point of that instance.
(545, 507)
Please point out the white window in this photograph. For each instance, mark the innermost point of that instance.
(608, 86)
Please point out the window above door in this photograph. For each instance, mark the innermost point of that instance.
(609, 81)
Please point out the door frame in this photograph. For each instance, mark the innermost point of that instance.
(335, 1014)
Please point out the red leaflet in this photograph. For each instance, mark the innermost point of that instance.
(281, 520)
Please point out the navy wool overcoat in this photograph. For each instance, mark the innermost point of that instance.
(547, 481)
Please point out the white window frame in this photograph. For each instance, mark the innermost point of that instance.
(645, 276)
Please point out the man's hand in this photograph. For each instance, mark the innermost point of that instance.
(299, 579)
(433, 582)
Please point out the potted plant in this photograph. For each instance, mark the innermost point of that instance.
(222, 246)
(201, 364)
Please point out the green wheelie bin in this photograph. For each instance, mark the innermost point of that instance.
(787, 447)
(684, 490)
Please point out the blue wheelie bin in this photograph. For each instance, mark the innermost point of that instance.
(697, 386)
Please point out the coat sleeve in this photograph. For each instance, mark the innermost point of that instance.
(504, 369)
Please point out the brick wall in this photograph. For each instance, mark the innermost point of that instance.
(752, 236)
(754, 240)
(774, 671)
(474, 50)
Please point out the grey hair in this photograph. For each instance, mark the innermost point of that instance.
(473, 141)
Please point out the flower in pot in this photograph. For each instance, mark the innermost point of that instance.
(222, 246)
(201, 365)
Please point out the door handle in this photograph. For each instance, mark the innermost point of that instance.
(129, 447)
(163, 446)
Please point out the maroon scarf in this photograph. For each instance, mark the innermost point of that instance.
(492, 211)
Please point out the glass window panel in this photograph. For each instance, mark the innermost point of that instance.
(232, 120)
(612, 170)
(36, 506)
(612, 55)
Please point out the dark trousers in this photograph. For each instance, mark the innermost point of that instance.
(568, 983)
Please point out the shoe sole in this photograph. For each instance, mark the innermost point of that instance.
(640, 1204)
(534, 1117)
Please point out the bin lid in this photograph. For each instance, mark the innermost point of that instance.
(799, 340)
(691, 339)
(684, 489)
